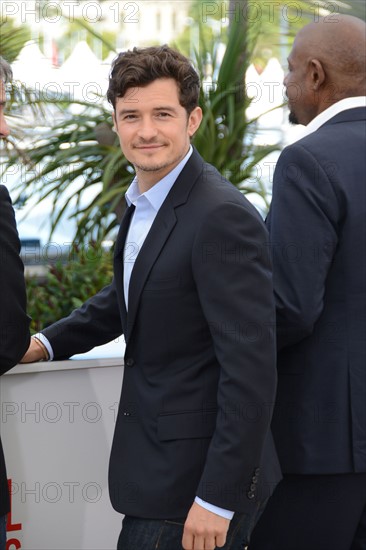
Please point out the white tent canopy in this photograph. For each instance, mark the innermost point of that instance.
(32, 68)
(82, 74)
(266, 91)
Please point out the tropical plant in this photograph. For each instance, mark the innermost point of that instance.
(79, 164)
(279, 21)
(226, 136)
(12, 39)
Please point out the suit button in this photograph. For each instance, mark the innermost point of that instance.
(125, 413)
(250, 495)
(255, 479)
(253, 487)
(256, 471)
(130, 362)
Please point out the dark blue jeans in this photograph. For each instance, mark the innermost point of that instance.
(152, 534)
(2, 532)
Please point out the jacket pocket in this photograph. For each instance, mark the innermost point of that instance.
(186, 425)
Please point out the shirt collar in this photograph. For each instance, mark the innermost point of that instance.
(158, 192)
(330, 112)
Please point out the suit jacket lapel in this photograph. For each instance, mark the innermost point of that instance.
(118, 262)
(160, 230)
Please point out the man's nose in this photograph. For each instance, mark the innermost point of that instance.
(147, 129)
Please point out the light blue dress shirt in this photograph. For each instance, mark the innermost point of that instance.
(147, 205)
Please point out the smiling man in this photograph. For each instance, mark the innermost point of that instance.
(154, 129)
(192, 459)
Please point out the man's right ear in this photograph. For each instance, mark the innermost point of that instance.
(317, 74)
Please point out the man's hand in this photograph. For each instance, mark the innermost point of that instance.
(204, 530)
(34, 353)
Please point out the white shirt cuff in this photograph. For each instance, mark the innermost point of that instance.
(46, 343)
(215, 509)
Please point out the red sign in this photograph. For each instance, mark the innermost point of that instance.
(13, 543)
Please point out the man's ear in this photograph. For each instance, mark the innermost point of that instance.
(194, 121)
(317, 74)
(114, 122)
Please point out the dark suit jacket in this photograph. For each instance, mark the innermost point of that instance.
(317, 225)
(14, 323)
(200, 372)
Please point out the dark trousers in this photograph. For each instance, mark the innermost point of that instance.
(324, 512)
(146, 534)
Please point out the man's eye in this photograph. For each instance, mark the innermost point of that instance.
(163, 115)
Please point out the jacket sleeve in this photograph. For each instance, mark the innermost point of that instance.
(95, 323)
(303, 224)
(232, 270)
(14, 322)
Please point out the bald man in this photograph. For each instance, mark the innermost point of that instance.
(317, 224)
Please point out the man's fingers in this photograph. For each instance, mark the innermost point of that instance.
(209, 544)
(220, 540)
(188, 539)
(193, 541)
(198, 543)
(204, 530)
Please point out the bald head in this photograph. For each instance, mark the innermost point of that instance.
(339, 44)
(329, 58)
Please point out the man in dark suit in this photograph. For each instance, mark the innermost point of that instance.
(14, 323)
(192, 293)
(317, 224)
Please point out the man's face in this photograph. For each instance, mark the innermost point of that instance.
(301, 96)
(4, 128)
(154, 130)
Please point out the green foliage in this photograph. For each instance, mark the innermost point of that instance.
(85, 178)
(281, 21)
(77, 162)
(98, 42)
(67, 285)
(12, 39)
(225, 137)
(203, 22)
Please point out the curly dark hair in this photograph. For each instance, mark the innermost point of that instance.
(141, 66)
(6, 73)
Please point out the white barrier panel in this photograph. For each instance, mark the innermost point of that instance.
(57, 423)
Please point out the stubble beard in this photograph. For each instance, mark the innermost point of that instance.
(293, 118)
(149, 168)
(158, 167)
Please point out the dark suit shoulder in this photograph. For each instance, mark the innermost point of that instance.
(213, 189)
(335, 132)
(202, 182)
(4, 193)
(14, 322)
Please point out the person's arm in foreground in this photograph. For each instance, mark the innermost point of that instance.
(95, 323)
(14, 322)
